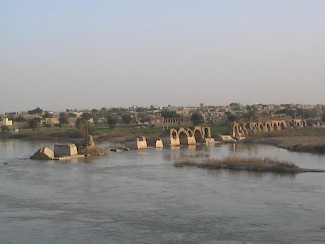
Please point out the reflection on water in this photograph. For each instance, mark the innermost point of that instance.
(250, 149)
(192, 151)
(139, 196)
(236, 147)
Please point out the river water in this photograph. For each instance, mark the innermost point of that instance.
(140, 197)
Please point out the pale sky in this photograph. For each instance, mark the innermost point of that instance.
(60, 54)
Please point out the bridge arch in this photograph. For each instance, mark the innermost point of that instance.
(282, 125)
(206, 132)
(275, 126)
(268, 126)
(254, 127)
(183, 136)
(190, 133)
(244, 128)
(198, 135)
(173, 134)
(260, 127)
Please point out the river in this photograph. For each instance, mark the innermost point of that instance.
(140, 197)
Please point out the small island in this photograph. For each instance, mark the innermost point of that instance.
(247, 164)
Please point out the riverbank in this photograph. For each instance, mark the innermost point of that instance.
(118, 134)
(48, 134)
(308, 139)
(64, 134)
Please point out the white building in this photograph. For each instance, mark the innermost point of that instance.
(6, 122)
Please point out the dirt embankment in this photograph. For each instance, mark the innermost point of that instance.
(309, 139)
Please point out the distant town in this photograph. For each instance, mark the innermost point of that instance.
(155, 116)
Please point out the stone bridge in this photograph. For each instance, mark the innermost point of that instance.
(175, 137)
(187, 136)
(240, 130)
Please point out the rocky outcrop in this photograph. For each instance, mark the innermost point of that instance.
(138, 143)
(63, 150)
(120, 149)
(159, 143)
(90, 143)
(43, 153)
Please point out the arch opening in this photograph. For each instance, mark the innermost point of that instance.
(183, 138)
(198, 136)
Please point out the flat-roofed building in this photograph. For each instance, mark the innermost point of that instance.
(6, 122)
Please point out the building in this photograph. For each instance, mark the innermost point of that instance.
(52, 121)
(171, 122)
(156, 120)
(6, 122)
(159, 121)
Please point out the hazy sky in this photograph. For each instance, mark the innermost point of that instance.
(60, 54)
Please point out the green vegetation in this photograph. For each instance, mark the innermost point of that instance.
(298, 112)
(19, 119)
(246, 164)
(4, 128)
(95, 151)
(251, 113)
(64, 119)
(112, 120)
(52, 133)
(35, 111)
(231, 117)
(47, 115)
(118, 133)
(220, 129)
(122, 133)
(34, 123)
(126, 119)
(169, 114)
(197, 118)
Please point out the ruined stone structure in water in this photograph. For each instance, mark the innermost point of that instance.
(175, 137)
(240, 130)
(138, 143)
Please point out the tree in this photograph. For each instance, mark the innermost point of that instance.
(86, 116)
(35, 111)
(19, 119)
(111, 120)
(88, 128)
(235, 106)
(79, 122)
(251, 112)
(140, 109)
(126, 118)
(197, 118)
(4, 128)
(34, 123)
(47, 114)
(63, 119)
(231, 117)
(306, 113)
(102, 113)
(169, 114)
